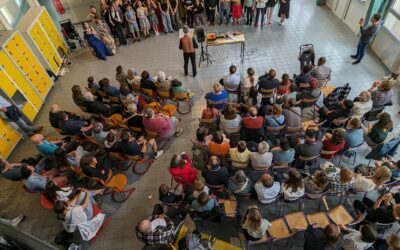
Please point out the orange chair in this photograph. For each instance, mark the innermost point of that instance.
(183, 98)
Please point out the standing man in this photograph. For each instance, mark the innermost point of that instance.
(367, 36)
(225, 6)
(14, 114)
(116, 18)
(188, 45)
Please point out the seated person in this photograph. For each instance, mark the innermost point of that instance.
(10, 171)
(92, 83)
(209, 112)
(248, 82)
(317, 183)
(361, 239)
(284, 85)
(230, 119)
(392, 165)
(97, 107)
(305, 76)
(342, 181)
(91, 167)
(218, 146)
(162, 83)
(140, 147)
(182, 170)
(378, 132)
(340, 111)
(382, 211)
(267, 189)
(333, 142)
(268, 82)
(284, 153)
(310, 93)
(354, 133)
(99, 135)
(156, 230)
(239, 184)
(146, 82)
(321, 71)
(56, 115)
(126, 96)
(178, 89)
(262, 159)
(292, 93)
(392, 241)
(163, 125)
(133, 79)
(112, 143)
(108, 89)
(121, 76)
(134, 119)
(311, 147)
(293, 188)
(381, 176)
(231, 83)
(170, 195)
(381, 94)
(204, 204)
(77, 95)
(323, 238)
(253, 126)
(217, 97)
(254, 225)
(74, 126)
(240, 156)
(215, 174)
(202, 139)
(361, 104)
(276, 119)
(45, 147)
(200, 187)
(33, 181)
(292, 113)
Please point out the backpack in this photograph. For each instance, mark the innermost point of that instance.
(200, 158)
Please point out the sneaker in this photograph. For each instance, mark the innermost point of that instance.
(15, 222)
(157, 34)
(159, 153)
(354, 56)
(179, 132)
(356, 62)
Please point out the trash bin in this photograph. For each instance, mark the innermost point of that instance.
(321, 2)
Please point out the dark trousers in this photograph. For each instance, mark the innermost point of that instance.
(262, 12)
(192, 57)
(211, 16)
(361, 50)
(189, 18)
(249, 15)
(119, 31)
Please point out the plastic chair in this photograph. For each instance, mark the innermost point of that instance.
(352, 151)
(305, 160)
(181, 98)
(283, 202)
(268, 93)
(275, 131)
(210, 124)
(320, 197)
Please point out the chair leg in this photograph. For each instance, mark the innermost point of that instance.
(355, 157)
(325, 203)
(340, 160)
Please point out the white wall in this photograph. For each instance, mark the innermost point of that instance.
(331, 3)
(386, 47)
(357, 9)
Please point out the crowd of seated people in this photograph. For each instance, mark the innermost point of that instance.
(264, 151)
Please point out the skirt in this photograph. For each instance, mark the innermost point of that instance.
(236, 11)
(153, 19)
(144, 23)
(271, 3)
(284, 9)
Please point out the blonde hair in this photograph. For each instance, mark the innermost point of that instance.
(217, 87)
(365, 96)
(346, 175)
(387, 85)
(394, 242)
(276, 110)
(253, 219)
(381, 175)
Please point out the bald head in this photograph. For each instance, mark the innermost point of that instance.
(55, 108)
(144, 226)
(253, 112)
(37, 138)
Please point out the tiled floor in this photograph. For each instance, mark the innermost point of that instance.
(275, 47)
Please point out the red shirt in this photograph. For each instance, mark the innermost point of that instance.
(256, 122)
(159, 124)
(185, 175)
(329, 146)
(209, 113)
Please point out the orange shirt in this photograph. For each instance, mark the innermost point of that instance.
(219, 149)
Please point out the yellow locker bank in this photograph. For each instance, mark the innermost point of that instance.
(23, 79)
(9, 137)
(43, 37)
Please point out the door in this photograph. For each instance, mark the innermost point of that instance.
(356, 10)
(341, 8)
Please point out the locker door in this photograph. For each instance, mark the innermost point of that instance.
(44, 46)
(6, 85)
(29, 111)
(5, 148)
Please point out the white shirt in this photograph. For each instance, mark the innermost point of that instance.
(290, 195)
(266, 195)
(232, 79)
(261, 4)
(156, 223)
(360, 108)
(4, 103)
(261, 159)
(353, 241)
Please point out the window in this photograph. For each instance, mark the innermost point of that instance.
(392, 22)
(7, 15)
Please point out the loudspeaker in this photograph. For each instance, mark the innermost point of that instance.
(201, 35)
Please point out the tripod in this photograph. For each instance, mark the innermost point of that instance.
(204, 56)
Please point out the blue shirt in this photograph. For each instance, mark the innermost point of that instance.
(270, 121)
(354, 137)
(47, 149)
(281, 156)
(35, 183)
(111, 90)
(72, 127)
(212, 96)
(207, 207)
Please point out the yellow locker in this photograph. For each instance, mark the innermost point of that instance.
(43, 45)
(9, 137)
(52, 30)
(5, 148)
(29, 111)
(6, 85)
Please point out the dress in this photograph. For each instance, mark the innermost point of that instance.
(271, 3)
(236, 10)
(284, 8)
(143, 21)
(99, 48)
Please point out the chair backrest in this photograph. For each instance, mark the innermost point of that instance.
(92, 90)
(322, 83)
(164, 94)
(216, 187)
(208, 121)
(136, 87)
(263, 168)
(232, 130)
(102, 93)
(151, 133)
(115, 99)
(280, 165)
(148, 92)
(328, 152)
(275, 130)
(267, 93)
(304, 85)
(317, 196)
(181, 96)
(293, 130)
(303, 158)
(309, 100)
(340, 121)
(357, 147)
(232, 88)
(136, 129)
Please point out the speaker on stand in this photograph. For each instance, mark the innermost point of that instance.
(201, 38)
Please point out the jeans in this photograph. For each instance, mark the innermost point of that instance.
(25, 127)
(176, 21)
(211, 16)
(249, 15)
(192, 57)
(89, 209)
(361, 50)
(166, 20)
(119, 31)
(222, 13)
(262, 11)
(199, 19)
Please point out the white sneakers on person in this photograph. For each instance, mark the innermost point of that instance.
(159, 153)
(15, 222)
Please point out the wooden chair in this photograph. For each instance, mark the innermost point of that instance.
(268, 93)
(279, 231)
(136, 129)
(352, 151)
(296, 221)
(136, 161)
(233, 134)
(304, 85)
(319, 219)
(312, 159)
(332, 154)
(115, 100)
(210, 124)
(164, 94)
(216, 188)
(92, 90)
(136, 87)
(323, 83)
(292, 131)
(306, 102)
(339, 215)
(183, 98)
(215, 104)
(233, 90)
(275, 131)
(230, 207)
(340, 122)
(352, 192)
(148, 92)
(274, 200)
(312, 125)
(280, 166)
(103, 95)
(115, 120)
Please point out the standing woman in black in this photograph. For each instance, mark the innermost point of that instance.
(270, 9)
(284, 10)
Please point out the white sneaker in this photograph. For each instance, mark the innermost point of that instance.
(15, 222)
(159, 153)
(157, 34)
